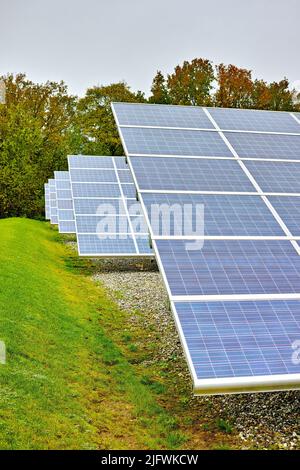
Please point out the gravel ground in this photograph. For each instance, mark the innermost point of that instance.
(264, 420)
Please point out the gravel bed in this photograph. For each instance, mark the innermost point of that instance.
(263, 419)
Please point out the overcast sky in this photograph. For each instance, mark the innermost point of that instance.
(90, 42)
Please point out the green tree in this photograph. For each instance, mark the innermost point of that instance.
(159, 90)
(191, 83)
(36, 134)
(95, 119)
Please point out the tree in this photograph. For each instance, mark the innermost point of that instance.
(235, 87)
(95, 119)
(191, 83)
(159, 90)
(36, 135)
(281, 98)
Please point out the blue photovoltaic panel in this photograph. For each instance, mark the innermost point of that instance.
(65, 215)
(61, 175)
(125, 176)
(174, 142)
(251, 120)
(161, 115)
(265, 145)
(47, 201)
(224, 215)
(224, 267)
(82, 161)
(95, 190)
(67, 226)
(276, 177)
(109, 224)
(65, 204)
(98, 206)
(121, 163)
(288, 208)
(190, 174)
(53, 201)
(105, 191)
(227, 340)
(241, 339)
(62, 184)
(64, 194)
(93, 245)
(129, 190)
(94, 176)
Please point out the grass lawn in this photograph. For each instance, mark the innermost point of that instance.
(69, 381)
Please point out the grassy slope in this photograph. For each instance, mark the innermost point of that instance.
(70, 380)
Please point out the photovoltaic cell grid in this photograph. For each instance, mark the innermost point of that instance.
(183, 174)
(240, 339)
(149, 141)
(109, 220)
(252, 120)
(53, 201)
(224, 215)
(162, 116)
(227, 362)
(236, 267)
(265, 145)
(65, 213)
(194, 117)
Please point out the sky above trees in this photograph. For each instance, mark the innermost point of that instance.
(97, 42)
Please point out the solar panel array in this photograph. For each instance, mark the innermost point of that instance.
(109, 220)
(235, 287)
(96, 200)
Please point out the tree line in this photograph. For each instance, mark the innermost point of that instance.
(40, 124)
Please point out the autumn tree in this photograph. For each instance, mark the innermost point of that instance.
(235, 87)
(36, 134)
(95, 119)
(191, 83)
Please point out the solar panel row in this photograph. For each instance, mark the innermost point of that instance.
(109, 221)
(230, 297)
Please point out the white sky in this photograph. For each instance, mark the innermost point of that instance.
(90, 42)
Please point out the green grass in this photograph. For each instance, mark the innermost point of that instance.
(68, 383)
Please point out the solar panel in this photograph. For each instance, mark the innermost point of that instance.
(53, 203)
(86, 161)
(234, 289)
(65, 212)
(108, 218)
(250, 120)
(225, 267)
(47, 201)
(224, 215)
(288, 207)
(276, 177)
(240, 339)
(162, 115)
(150, 141)
(171, 173)
(265, 145)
